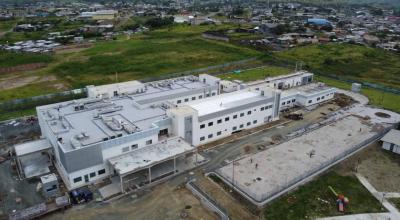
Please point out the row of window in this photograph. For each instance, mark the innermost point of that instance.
(288, 102)
(318, 99)
(194, 98)
(93, 174)
(135, 146)
(234, 128)
(219, 121)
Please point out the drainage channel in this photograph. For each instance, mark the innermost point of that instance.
(207, 201)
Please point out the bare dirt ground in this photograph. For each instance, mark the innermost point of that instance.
(380, 167)
(17, 80)
(234, 207)
(164, 202)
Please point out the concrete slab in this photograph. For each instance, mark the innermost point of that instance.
(266, 173)
(35, 165)
(111, 189)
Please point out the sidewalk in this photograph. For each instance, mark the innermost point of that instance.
(379, 196)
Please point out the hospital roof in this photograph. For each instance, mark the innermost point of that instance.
(98, 120)
(92, 120)
(225, 101)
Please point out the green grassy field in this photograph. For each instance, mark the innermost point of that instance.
(146, 56)
(163, 51)
(9, 59)
(7, 25)
(256, 73)
(315, 199)
(376, 97)
(346, 60)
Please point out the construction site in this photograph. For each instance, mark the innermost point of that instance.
(132, 146)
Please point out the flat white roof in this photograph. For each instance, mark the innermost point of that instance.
(143, 157)
(31, 147)
(222, 102)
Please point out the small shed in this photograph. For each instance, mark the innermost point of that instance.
(391, 141)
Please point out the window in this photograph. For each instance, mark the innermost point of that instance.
(179, 101)
(92, 175)
(186, 100)
(318, 98)
(235, 116)
(193, 98)
(283, 103)
(255, 122)
(202, 126)
(210, 124)
(219, 121)
(293, 100)
(149, 142)
(249, 112)
(219, 133)
(227, 119)
(210, 135)
(309, 101)
(234, 128)
(200, 96)
(202, 138)
(262, 108)
(77, 179)
(241, 126)
(323, 97)
(213, 94)
(270, 106)
(248, 123)
(208, 95)
(103, 171)
(135, 146)
(241, 114)
(125, 149)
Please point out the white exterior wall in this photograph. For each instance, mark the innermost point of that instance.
(315, 99)
(288, 102)
(386, 146)
(117, 150)
(287, 83)
(194, 97)
(226, 127)
(87, 171)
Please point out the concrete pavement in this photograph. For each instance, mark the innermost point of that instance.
(379, 196)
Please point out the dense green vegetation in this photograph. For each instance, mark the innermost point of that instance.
(256, 73)
(9, 59)
(345, 60)
(316, 200)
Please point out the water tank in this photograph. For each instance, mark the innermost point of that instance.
(356, 87)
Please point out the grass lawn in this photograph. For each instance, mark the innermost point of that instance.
(346, 60)
(10, 59)
(315, 199)
(395, 202)
(256, 73)
(376, 97)
(7, 25)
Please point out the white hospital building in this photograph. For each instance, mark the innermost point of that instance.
(141, 133)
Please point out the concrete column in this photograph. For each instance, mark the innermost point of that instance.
(149, 175)
(174, 164)
(122, 184)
